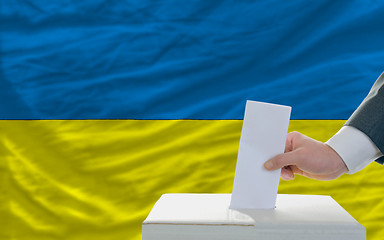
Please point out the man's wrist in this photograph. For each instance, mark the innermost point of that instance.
(355, 148)
(339, 165)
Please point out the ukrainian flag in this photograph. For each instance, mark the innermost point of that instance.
(107, 105)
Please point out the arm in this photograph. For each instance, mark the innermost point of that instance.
(356, 145)
(369, 116)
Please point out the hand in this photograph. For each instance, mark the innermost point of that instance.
(307, 157)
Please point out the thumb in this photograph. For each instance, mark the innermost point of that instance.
(282, 160)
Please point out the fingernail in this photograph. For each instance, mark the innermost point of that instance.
(284, 176)
(268, 165)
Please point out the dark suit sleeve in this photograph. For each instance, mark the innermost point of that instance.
(369, 116)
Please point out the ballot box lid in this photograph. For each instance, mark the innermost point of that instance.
(213, 209)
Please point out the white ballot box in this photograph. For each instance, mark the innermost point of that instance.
(208, 217)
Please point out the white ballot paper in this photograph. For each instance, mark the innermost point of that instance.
(263, 136)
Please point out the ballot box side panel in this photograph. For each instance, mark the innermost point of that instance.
(241, 232)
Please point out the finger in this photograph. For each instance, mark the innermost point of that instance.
(323, 177)
(289, 142)
(292, 137)
(287, 174)
(282, 160)
(296, 170)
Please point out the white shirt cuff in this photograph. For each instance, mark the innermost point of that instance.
(354, 147)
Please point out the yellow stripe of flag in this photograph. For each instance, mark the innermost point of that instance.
(85, 179)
